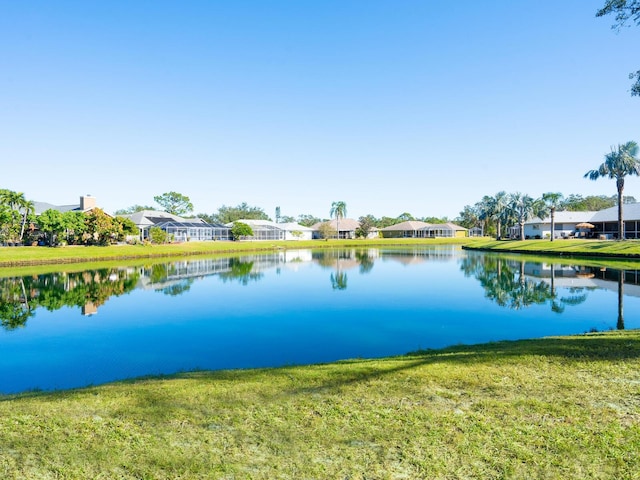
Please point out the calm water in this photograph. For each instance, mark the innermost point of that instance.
(67, 330)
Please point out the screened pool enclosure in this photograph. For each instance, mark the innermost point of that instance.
(195, 231)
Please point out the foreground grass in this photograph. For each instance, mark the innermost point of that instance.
(20, 256)
(552, 408)
(593, 248)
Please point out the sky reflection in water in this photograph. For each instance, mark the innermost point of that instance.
(66, 330)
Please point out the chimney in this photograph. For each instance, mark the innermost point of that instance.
(87, 202)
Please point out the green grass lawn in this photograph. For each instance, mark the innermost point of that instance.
(20, 256)
(554, 408)
(596, 248)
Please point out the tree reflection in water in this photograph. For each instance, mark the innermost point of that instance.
(242, 271)
(20, 297)
(505, 282)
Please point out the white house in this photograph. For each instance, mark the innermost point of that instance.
(565, 225)
(268, 230)
(181, 229)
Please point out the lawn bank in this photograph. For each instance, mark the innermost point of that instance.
(551, 408)
(24, 256)
(628, 249)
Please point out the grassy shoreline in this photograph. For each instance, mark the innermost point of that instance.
(629, 249)
(561, 407)
(25, 256)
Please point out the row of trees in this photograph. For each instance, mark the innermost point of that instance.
(19, 224)
(506, 210)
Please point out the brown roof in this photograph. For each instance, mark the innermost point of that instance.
(410, 225)
(346, 225)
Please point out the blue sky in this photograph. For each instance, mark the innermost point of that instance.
(390, 106)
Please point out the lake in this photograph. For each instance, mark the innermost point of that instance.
(71, 329)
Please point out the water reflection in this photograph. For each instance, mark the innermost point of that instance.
(21, 296)
(517, 283)
(291, 307)
(509, 282)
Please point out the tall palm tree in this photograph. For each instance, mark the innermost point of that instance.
(493, 209)
(551, 201)
(27, 208)
(338, 210)
(618, 164)
(523, 207)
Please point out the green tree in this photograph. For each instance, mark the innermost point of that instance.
(157, 235)
(241, 230)
(624, 10)
(243, 211)
(125, 227)
(308, 220)
(367, 223)
(523, 207)
(327, 231)
(100, 228)
(338, 211)
(495, 209)
(386, 222)
(618, 163)
(52, 224)
(435, 220)
(469, 217)
(133, 209)
(405, 217)
(174, 203)
(20, 209)
(552, 201)
(75, 225)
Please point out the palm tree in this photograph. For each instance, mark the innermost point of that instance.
(27, 208)
(551, 201)
(17, 202)
(618, 164)
(493, 209)
(523, 208)
(338, 210)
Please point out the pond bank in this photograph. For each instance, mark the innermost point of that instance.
(562, 407)
(28, 256)
(628, 249)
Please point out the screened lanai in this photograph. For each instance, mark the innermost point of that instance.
(262, 231)
(444, 230)
(195, 231)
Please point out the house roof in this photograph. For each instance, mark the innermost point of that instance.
(154, 217)
(269, 224)
(631, 211)
(445, 226)
(410, 225)
(346, 225)
(40, 207)
(565, 217)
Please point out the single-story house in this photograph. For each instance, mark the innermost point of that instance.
(345, 228)
(408, 229)
(605, 224)
(448, 229)
(417, 229)
(181, 229)
(268, 230)
(565, 225)
(348, 228)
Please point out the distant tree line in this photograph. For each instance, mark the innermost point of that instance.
(181, 205)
